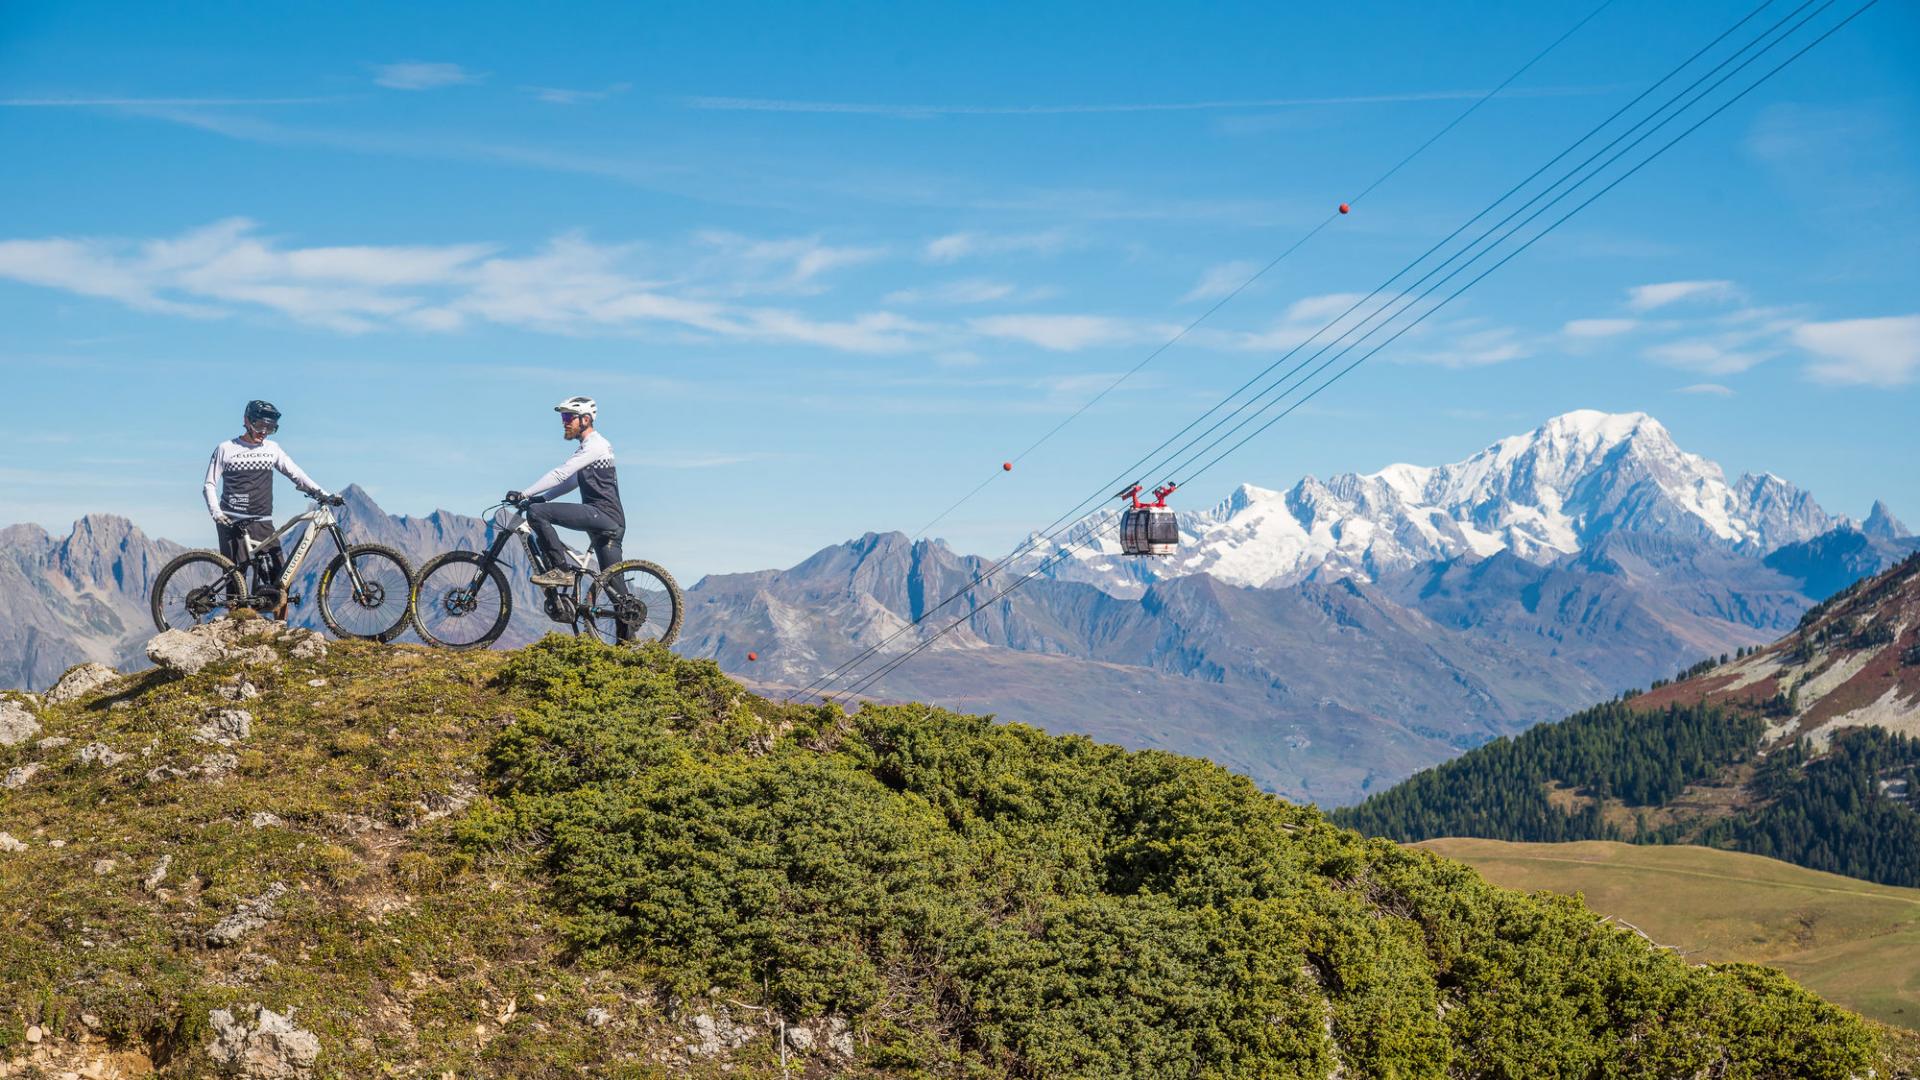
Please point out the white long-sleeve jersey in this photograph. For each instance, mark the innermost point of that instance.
(591, 469)
(243, 476)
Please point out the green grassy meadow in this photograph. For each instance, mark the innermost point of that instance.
(1853, 942)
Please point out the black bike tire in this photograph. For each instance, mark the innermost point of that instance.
(173, 566)
(660, 573)
(338, 564)
(499, 582)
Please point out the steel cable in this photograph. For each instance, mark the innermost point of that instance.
(880, 672)
(1073, 516)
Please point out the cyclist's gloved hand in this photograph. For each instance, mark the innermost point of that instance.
(514, 497)
(333, 500)
(222, 519)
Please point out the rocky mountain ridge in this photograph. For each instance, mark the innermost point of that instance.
(1326, 688)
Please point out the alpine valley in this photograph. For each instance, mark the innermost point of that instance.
(1327, 640)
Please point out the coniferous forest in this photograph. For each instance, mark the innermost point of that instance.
(1847, 809)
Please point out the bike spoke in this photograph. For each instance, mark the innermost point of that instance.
(377, 605)
(457, 604)
(632, 605)
(197, 592)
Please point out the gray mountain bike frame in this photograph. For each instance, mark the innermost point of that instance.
(322, 518)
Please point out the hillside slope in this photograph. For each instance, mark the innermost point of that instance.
(274, 858)
(1854, 942)
(1807, 750)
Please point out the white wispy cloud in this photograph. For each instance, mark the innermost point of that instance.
(968, 291)
(1649, 297)
(1870, 352)
(1321, 320)
(1599, 328)
(1220, 280)
(965, 245)
(571, 286)
(1466, 346)
(422, 75)
(922, 112)
(1062, 333)
(789, 264)
(556, 95)
(1707, 388)
(1708, 356)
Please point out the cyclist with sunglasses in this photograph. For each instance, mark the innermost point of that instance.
(598, 513)
(239, 488)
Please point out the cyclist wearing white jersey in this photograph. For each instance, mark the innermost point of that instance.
(598, 513)
(239, 489)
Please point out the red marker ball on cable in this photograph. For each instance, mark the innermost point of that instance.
(1344, 208)
(1006, 466)
(753, 656)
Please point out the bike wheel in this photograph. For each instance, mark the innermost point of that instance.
(376, 611)
(195, 588)
(632, 603)
(460, 601)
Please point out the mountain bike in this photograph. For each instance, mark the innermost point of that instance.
(368, 601)
(461, 600)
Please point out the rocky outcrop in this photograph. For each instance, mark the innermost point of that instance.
(79, 682)
(225, 727)
(249, 642)
(17, 723)
(251, 916)
(269, 1047)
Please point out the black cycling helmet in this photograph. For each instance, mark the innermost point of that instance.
(262, 416)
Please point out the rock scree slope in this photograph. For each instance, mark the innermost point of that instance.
(574, 860)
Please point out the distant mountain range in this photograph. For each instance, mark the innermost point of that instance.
(1558, 490)
(1326, 641)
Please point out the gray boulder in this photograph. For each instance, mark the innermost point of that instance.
(100, 754)
(17, 723)
(79, 682)
(269, 1048)
(186, 652)
(251, 642)
(225, 726)
(18, 776)
(251, 916)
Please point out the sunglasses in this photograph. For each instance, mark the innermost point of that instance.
(570, 417)
(264, 427)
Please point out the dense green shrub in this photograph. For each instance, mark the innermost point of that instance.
(985, 900)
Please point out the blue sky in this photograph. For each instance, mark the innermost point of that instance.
(826, 266)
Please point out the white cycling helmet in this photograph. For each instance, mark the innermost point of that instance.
(581, 404)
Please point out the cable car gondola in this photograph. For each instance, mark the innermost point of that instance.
(1148, 528)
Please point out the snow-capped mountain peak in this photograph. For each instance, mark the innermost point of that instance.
(1541, 495)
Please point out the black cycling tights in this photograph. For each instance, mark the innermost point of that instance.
(602, 530)
(233, 546)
